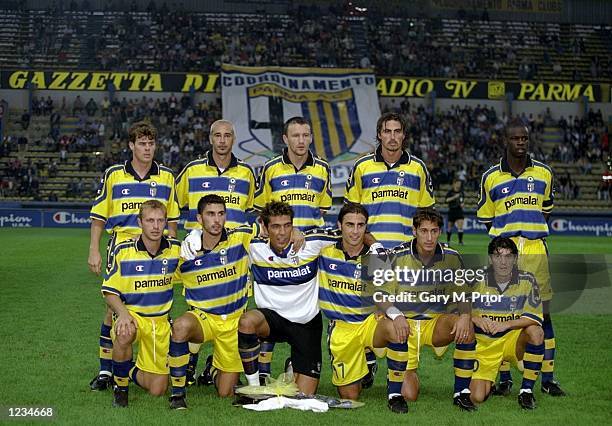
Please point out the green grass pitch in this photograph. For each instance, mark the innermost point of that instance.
(51, 311)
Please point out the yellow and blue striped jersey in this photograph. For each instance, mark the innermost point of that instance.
(122, 192)
(391, 194)
(341, 289)
(515, 204)
(142, 281)
(236, 185)
(419, 279)
(215, 280)
(520, 299)
(307, 190)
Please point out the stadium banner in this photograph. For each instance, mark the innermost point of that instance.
(386, 86)
(341, 104)
(20, 218)
(596, 226)
(66, 219)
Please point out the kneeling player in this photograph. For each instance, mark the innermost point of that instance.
(429, 326)
(353, 325)
(138, 288)
(215, 284)
(509, 329)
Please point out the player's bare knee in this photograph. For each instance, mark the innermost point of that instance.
(180, 329)
(125, 340)
(158, 388)
(349, 393)
(247, 323)
(225, 392)
(536, 334)
(478, 395)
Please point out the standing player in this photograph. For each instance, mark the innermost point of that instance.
(516, 198)
(138, 288)
(297, 177)
(301, 180)
(429, 323)
(219, 172)
(353, 325)
(215, 284)
(390, 183)
(123, 190)
(455, 198)
(511, 328)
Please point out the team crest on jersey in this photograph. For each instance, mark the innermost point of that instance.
(223, 256)
(530, 184)
(357, 273)
(293, 256)
(400, 179)
(513, 303)
(308, 182)
(153, 189)
(232, 185)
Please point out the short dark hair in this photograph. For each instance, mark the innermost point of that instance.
(295, 120)
(275, 208)
(502, 243)
(210, 199)
(352, 208)
(427, 214)
(140, 129)
(515, 123)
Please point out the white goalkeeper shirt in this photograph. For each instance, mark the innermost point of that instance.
(287, 282)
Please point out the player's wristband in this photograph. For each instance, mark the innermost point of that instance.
(392, 312)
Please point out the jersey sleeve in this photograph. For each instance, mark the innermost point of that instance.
(549, 194)
(321, 238)
(426, 196)
(252, 186)
(102, 205)
(486, 209)
(262, 194)
(173, 210)
(326, 197)
(532, 308)
(353, 186)
(113, 283)
(182, 188)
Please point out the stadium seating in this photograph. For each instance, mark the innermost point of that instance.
(394, 46)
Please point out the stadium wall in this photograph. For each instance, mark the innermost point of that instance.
(564, 224)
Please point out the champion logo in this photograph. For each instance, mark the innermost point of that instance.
(333, 266)
(505, 190)
(125, 191)
(284, 182)
(198, 262)
(376, 180)
(205, 184)
(139, 268)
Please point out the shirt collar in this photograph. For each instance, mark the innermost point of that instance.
(505, 166)
(491, 279)
(211, 160)
(154, 170)
(404, 159)
(438, 255)
(222, 239)
(365, 250)
(309, 160)
(165, 244)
